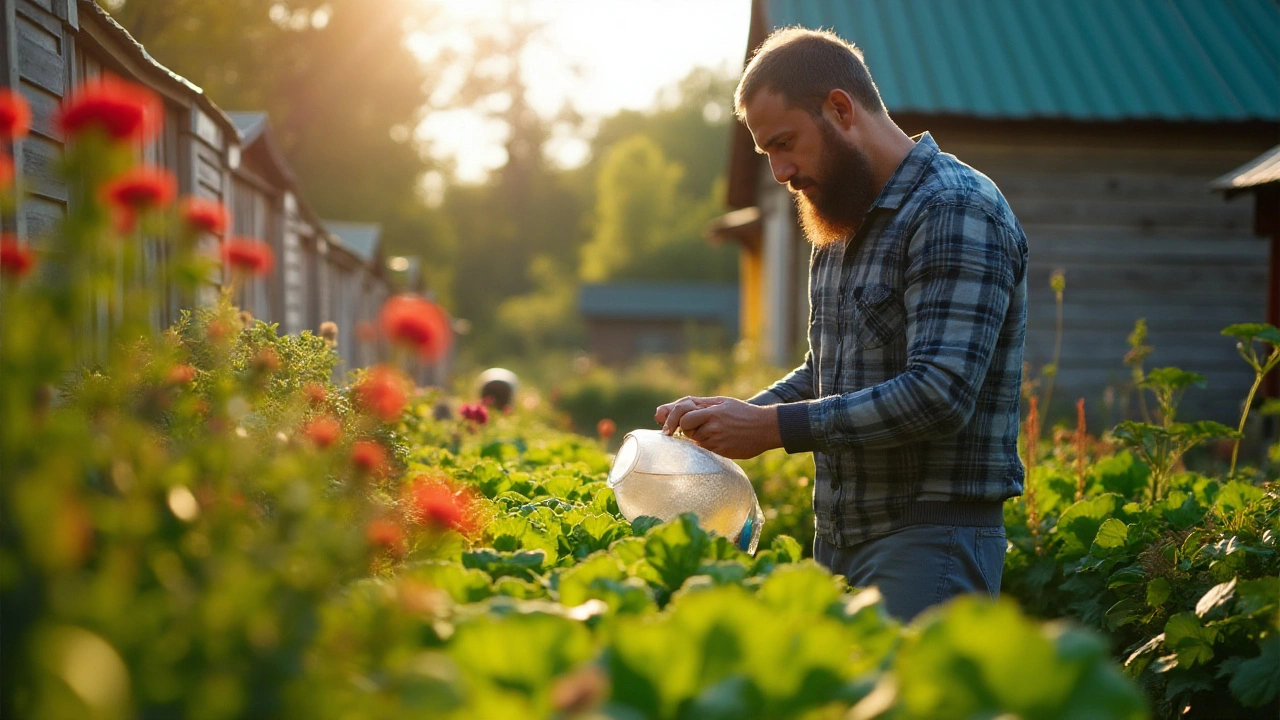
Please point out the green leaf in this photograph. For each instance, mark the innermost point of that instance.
(464, 585)
(1079, 524)
(1237, 496)
(786, 549)
(523, 564)
(1258, 595)
(628, 550)
(1172, 378)
(801, 588)
(1122, 474)
(643, 524)
(1256, 681)
(520, 652)
(1112, 535)
(676, 549)
(1158, 591)
(1192, 641)
(1248, 332)
(1217, 595)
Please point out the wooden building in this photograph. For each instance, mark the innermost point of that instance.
(1103, 124)
(52, 46)
(628, 320)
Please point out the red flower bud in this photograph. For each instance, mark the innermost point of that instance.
(180, 375)
(474, 412)
(415, 323)
(606, 428)
(123, 110)
(369, 457)
(382, 392)
(15, 115)
(140, 189)
(315, 393)
(204, 215)
(248, 256)
(16, 259)
(6, 171)
(385, 534)
(323, 431)
(435, 504)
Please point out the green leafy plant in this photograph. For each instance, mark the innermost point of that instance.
(1248, 334)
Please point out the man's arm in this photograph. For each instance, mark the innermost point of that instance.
(963, 267)
(795, 387)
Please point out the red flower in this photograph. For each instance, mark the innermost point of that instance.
(180, 375)
(122, 110)
(139, 190)
(382, 392)
(369, 457)
(323, 430)
(6, 171)
(204, 215)
(385, 534)
(267, 360)
(315, 393)
(15, 115)
(434, 504)
(606, 428)
(248, 256)
(415, 323)
(16, 259)
(474, 412)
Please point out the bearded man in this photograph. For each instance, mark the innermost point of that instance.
(909, 394)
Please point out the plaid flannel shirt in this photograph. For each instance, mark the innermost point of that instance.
(909, 394)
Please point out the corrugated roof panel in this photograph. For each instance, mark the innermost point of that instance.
(1080, 59)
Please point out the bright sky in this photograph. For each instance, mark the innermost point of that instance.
(599, 55)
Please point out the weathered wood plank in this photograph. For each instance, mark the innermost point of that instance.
(44, 110)
(37, 64)
(40, 160)
(1138, 214)
(42, 215)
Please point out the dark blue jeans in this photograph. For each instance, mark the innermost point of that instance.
(921, 565)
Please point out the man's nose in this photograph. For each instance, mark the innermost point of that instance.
(783, 170)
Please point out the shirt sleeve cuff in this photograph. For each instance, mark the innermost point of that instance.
(793, 426)
(764, 397)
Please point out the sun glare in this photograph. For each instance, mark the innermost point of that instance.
(598, 56)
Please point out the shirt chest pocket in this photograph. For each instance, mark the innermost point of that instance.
(873, 317)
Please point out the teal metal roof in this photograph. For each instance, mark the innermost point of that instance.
(661, 301)
(360, 238)
(1184, 60)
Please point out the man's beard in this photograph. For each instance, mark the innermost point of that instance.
(841, 193)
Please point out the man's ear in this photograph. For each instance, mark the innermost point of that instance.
(840, 108)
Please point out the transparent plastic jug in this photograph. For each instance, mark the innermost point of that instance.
(663, 476)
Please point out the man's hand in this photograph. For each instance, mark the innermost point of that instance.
(724, 426)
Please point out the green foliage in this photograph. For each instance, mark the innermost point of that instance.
(1186, 585)
(1162, 447)
(342, 91)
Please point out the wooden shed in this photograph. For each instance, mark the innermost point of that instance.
(51, 46)
(628, 320)
(1102, 123)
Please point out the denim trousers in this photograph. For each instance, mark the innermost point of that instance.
(918, 566)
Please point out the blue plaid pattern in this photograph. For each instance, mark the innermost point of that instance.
(909, 394)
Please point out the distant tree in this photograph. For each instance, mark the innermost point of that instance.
(342, 90)
(635, 206)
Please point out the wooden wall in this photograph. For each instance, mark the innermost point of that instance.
(1125, 212)
(51, 46)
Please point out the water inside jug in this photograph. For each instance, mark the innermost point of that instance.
(663, 476)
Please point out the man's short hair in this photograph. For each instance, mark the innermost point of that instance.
(804, 66)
